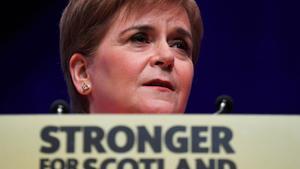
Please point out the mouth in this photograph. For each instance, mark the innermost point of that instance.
(160, 83)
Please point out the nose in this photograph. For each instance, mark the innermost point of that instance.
(163, 57)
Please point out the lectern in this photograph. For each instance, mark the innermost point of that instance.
(149, 142)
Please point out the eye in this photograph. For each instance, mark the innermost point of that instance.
(140, 38)
(180, 44)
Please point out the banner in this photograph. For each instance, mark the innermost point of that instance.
(149, 142)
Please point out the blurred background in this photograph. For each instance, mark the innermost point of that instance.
(249, 51)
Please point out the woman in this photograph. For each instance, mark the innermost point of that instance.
(129, 56)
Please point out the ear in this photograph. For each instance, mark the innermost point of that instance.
(78, 69)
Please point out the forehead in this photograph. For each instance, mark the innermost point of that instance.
(145, 6)
(171, 14)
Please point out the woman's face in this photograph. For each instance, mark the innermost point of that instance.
(143, 64)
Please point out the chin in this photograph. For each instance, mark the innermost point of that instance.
(159, 107)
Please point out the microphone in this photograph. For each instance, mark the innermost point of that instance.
(224, 104)
(59, 107)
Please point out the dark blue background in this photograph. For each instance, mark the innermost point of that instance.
(250, 52)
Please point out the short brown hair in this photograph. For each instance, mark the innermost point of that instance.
(85, 22)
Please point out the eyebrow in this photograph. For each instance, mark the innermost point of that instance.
(184, 32)
(147, 28)
(138, 27)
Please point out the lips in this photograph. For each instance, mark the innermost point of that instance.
(160, 83)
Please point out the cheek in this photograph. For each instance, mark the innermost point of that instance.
(127, 69)
(186, 76)
(119, 68)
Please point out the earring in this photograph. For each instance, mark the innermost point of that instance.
(85, 87)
